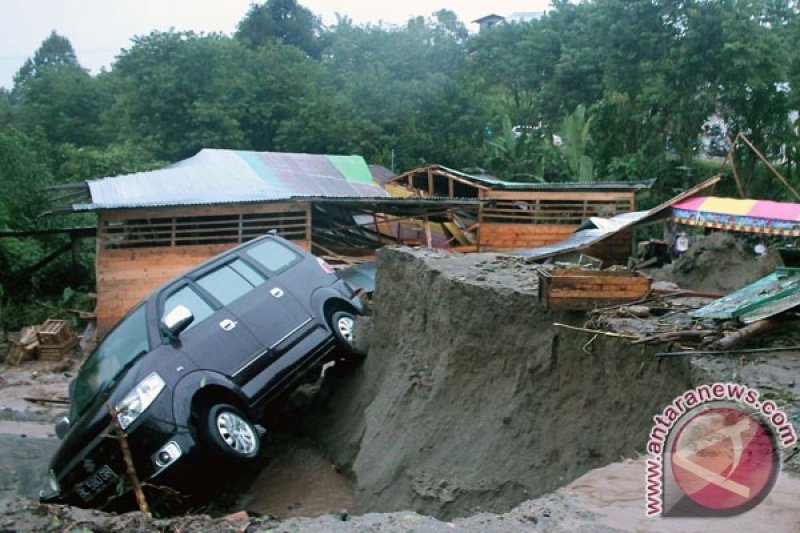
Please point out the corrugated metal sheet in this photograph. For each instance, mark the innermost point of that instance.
(497, 183)
(586, 237)
(769, 296)
(231, 176)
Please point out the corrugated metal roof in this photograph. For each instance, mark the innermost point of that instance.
(586, 237)
(380, 173)
(230, 176)
(493, 182)
(769, 296)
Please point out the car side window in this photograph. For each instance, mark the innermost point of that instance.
(273, 255)
(188, 297)
(231, 281)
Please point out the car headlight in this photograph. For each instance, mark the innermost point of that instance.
(52, 483)
(139, 399)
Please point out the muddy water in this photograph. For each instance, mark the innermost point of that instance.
(616, 494)
(299, 481)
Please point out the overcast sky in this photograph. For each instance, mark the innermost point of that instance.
(98, 29)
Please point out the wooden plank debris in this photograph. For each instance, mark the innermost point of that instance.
(577, 289)
(23, 349)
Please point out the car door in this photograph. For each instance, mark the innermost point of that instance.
(259, 304)
(215, 340)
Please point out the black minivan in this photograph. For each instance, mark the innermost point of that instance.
(194, 364)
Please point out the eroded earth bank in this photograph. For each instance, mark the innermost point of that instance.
(474, 411)
(472, 400)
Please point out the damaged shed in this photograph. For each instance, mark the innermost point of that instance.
(517, 215)
(153, 225)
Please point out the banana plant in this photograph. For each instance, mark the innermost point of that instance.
(575, 137)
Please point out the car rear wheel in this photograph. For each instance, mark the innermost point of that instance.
(230, 434)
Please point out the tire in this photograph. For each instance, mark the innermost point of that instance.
(342, 322)
(230, 435)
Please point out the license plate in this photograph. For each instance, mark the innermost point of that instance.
(94, 484)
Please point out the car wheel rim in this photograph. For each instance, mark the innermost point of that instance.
(236, 432)
(345, 326)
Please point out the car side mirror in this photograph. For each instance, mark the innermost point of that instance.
(177, 320)
(62, 427)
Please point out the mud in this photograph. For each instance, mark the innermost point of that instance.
(298, 481)
(721, 262)
(609, 499)
(470, 400)
(472, 412)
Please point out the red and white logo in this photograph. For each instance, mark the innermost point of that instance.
(724, 459)
(715, 451)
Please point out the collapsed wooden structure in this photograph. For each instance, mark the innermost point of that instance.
(516, 215)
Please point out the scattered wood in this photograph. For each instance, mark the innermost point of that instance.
(740, 351)
(687, 293)
(58, 401)
(595, 331)
(23, 349)
(678, 336)
(122, 438)
(738, 337)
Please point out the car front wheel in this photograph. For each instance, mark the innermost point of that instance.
(230, 434)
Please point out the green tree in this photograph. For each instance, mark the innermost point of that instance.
(55, 50)
(283, 21)
(66, 103)
(177, 92)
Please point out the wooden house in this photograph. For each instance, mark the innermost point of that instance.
(154, 225)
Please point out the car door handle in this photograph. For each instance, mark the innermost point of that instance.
(276, 292)
(227, 324)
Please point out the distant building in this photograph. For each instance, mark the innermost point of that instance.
(488, 21)
(522, 16)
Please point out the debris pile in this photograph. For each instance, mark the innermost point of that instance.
(719, 262)
(50, 341)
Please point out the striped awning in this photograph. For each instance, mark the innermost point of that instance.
(731, 214)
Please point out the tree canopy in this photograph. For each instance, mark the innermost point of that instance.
(625, 85)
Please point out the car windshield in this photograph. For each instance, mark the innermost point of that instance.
(117, 352)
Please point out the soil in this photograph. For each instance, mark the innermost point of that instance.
(720, 262)
(470, 400)
(605, 500)
(472, 412)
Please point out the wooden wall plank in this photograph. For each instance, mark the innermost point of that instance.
(560, 195)
(127, 275)
(509, 236)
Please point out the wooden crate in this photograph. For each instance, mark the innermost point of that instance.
(54, 332)
(22, 349)
(581, 290)
(57, 352)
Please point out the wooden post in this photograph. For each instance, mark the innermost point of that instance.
(450, 188)
(308, 226)
(126, 455)
(430, 182)
(427, 227)
(479, 247)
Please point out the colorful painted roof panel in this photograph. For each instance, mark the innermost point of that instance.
(732, 214)
(230, 176)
